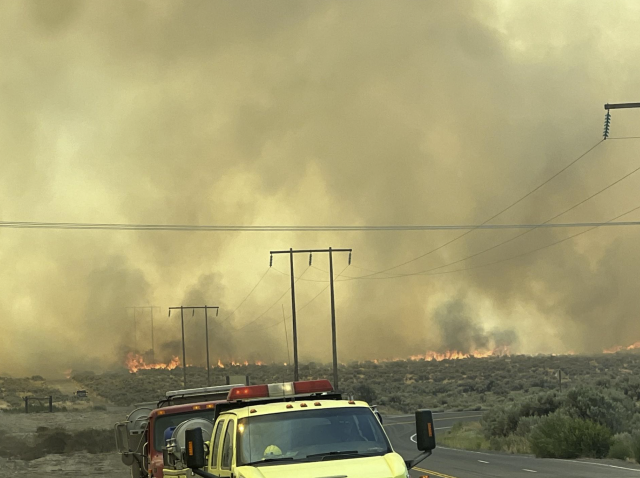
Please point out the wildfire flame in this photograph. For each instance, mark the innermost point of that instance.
(238, 363)
(618, 348)
(135, 362)
(456, 355)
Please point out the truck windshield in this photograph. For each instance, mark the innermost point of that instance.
(310, 435)
(166, 421)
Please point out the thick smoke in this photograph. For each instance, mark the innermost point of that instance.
(288, 112)
(462, 332)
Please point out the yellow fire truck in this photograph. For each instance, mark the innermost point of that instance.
(286, 430)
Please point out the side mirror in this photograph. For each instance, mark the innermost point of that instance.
(425, 437)
(194, 448)
(121, 437)
(425, 431)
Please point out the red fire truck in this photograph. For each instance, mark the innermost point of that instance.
(141, 437)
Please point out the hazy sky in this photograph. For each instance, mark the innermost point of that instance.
(294, 112)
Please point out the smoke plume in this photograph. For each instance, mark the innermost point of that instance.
(298, 112)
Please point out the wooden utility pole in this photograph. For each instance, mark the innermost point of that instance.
(206, 335)
(135, 331)
(184, 356)
(330, 251)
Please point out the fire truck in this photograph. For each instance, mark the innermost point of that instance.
(293, 429)
(140, 438)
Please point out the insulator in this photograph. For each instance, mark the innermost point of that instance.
(607, 124)
(310, 259)
(349, 257)
(271, 260)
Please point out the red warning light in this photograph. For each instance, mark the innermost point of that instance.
(312, 386)
(250, 391)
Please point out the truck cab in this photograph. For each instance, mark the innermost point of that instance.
(169, 417)
(295, 429)
(141, 437)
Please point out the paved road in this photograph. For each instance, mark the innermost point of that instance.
(449, 463)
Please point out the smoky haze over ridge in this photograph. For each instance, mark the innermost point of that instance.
(311, 113)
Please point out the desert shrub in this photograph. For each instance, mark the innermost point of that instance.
(561, 436)
(464, 435)
(510, 444)
(525, 425)
(500, 421)
(504, 420)
(620, 447)
(635, 446)
(612, 409)
(365, 392)
(53, 442)
(56, 441)
(91, 441)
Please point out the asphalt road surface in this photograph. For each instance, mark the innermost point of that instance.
(449, 463)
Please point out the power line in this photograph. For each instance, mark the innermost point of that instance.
(503, 210)
(247, 296)
(317, 228)
(610, 185)
(272, 305)
(498, 261)
(308, 302)
(300, 277)
(542, 247)
(497, 214)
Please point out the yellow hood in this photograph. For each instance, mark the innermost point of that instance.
(390, 465)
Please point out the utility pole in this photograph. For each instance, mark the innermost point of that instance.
(206, 335)
(184, 357)
(330, 251)
(614, 106)
(135, 309)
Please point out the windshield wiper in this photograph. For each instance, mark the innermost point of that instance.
(334, 454)
(269, 460)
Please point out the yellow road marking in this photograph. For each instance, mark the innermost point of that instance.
(434, 473)
(436, 420)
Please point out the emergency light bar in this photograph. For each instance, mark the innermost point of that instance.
(201, 391)
(276, 390)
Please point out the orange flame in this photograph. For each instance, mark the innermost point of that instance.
(457, 355)
(618, 348)
(135, 362)
(239, 363)
(67, 373)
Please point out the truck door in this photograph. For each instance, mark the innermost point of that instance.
(227, 452)
(216, 438)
